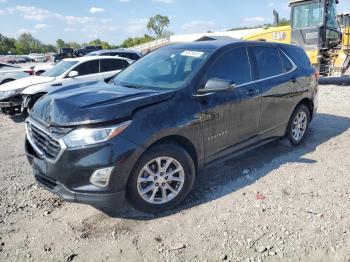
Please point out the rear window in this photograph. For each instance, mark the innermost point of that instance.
(286, 64)
(298, 55)
(268, 61)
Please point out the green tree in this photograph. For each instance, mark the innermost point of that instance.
(130, 42)
(283, 22)
(26, 44)
(158, 24)
(60, 43)
(7, 45)
(104, 44)
(73, 45)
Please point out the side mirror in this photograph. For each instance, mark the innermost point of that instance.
(73, 74)
(215, 85)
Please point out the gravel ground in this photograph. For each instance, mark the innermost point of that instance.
(272, 204)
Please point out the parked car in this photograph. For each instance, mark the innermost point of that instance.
(28, 59)
(8, 59)
(63, 53)
(85, 50)
(21, 95)
(38, 58)
(10, 73)
(168, 115)
(130, 54)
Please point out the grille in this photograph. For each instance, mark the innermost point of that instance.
(44, 142)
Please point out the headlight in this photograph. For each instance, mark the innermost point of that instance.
(89, 136)
(8, 94)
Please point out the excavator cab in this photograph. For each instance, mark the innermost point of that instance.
(314, 26)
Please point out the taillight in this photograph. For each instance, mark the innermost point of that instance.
(30, 72)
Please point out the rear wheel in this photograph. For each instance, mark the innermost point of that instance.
(298, 125)
(161, 179)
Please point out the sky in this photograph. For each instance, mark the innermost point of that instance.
(116, 20)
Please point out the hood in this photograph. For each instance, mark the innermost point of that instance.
(25, 82)
(93, 104)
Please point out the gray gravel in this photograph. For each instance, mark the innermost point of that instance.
(272, 204)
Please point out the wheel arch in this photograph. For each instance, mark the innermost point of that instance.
(308, 103)
(181, 141)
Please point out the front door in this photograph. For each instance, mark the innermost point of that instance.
(222, 110)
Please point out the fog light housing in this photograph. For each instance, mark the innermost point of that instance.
(101, 177)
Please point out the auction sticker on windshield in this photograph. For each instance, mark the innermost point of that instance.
(192, 53)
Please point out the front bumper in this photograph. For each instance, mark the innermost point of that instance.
(69, 176)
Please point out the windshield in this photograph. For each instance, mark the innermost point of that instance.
(332, 14)
(59, 69)
(308, 15)
(166, 68)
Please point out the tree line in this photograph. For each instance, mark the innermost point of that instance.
(26, 43)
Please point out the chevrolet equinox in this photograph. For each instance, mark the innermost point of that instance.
(143, 136)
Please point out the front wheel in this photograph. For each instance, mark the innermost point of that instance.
(161, 179)
(298, 125)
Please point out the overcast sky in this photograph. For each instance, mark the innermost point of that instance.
(115, 20)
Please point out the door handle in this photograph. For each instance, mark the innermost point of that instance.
(253, 92)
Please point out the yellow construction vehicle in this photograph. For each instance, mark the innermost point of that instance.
(314, 25)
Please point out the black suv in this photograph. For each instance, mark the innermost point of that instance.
(85, 50)
(144, 135)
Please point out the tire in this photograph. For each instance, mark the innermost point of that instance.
(298, 125)
(80, 54)
(153, 201)
(7, 81)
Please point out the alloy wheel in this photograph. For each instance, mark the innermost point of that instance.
(299, 126)
(160, 180)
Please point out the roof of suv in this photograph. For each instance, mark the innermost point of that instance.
(116, 50)
(90, 58)
(216, 44)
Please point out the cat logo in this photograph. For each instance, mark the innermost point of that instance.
(279, 36)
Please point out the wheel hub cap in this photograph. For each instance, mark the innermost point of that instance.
(299, 126)
(160, 180)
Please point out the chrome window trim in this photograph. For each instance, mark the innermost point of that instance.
(267, 78)
(271, 77)
(58, 139)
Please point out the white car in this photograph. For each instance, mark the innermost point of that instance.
(20, 95)
(10, 73)
(37, 57)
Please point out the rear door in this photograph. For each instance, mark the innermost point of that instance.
(276, 80)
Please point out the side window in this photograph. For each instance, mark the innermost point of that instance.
(122, 55)
(268, 61)
(286, 64)
(108, 65)
(232, 65)
(88, 68)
